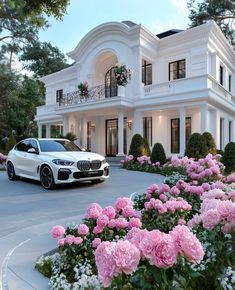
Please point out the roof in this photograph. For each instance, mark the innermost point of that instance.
(168, 33)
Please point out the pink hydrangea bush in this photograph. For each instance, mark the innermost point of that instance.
(3, 159)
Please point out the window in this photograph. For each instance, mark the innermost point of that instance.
(177, 70)
(146, 72)
(59, 95)
(175, 133)
(229, 82)
(147, 129)
(22, 146)
(221, 75)
(221, 133)
(230, 131)
(88, 136)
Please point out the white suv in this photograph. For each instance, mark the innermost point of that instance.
(55, 161)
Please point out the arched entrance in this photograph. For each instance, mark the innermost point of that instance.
(110, 84)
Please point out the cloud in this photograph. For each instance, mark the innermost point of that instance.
(180, 5)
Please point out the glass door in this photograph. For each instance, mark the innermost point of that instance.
(111, 137)
(110, 84)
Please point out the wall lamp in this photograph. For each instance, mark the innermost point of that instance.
(129, 124)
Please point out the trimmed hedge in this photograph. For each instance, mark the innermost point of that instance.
(158, 154)
(136, 147)
(228, 157)
(196, 146)
(146, 150)
(210, 143)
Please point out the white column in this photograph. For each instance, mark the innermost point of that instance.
(48, 130)
(120, 133)
(204, 121)
(226, 128)
(138, 123)
(232, 131)
(182, 130)
(65, 125)
(84, 132)
(39, 130)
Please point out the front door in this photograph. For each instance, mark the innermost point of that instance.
(110, 84)
(112, 137)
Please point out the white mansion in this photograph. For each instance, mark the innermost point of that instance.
(181, 82)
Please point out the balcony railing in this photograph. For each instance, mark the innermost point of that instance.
(97, 93)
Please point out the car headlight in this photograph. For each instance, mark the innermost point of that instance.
(62, 162)
(104, 161)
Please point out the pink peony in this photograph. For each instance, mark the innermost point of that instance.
(93, 211)
(109, 211)
(210, 218)
(77, 240)
(57, 232)
(96, 242)
(69, 239)
(128, 211)
(187, 244)
(60, 242)
(122, 202)
(134, 223)
(98, 230)
(83, 230)
(121, 223)
(102, 221)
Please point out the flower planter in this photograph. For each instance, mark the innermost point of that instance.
(121, 91)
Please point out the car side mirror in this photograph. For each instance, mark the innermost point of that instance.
(83, 149)
(32, 150)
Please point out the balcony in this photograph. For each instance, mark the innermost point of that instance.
(95, 94)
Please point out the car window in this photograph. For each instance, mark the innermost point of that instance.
(22, 146)
(57, 146)
(32, 144)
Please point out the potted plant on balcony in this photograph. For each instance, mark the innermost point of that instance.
(83, 91)
(122, 75)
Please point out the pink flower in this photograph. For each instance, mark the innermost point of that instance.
(83, 230)
(102, 221)
(77, 240)
(121, 223)
(134, 223)
(57, 232)
(60, 242)
(181, 222)
(163, 197)
(98, 230)
(135, 236)
(175, 190)
(210, 219)
(93, 211)
(109, 211)
(126, 256)
(69, 239)
(187, 243)
(159, 249)
(105, 263)
(128, 211)
(96, 242)
(122, 202)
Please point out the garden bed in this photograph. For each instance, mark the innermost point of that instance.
(179, 235)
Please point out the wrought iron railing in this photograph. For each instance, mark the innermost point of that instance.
(94, 94)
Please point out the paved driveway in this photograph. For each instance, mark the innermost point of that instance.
(25, 203)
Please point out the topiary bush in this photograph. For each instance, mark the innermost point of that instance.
(146, 149)
(10, 143)
(228, 157)
(136, 147)
(196, 146)
(210, 143)
(158, 154)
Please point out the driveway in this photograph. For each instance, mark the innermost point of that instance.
(25, 203)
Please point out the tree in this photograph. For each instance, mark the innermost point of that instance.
(221, 11)
(210, 143)
(43, 58)
(196, 146)
(20, 21)
(136, 146)
(158, 154)
(228, 157)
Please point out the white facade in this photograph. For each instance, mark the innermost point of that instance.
(200, 98)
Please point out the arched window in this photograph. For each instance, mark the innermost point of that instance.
(110, 84)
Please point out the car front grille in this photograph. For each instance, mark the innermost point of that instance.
(95, 164)
(84, 165)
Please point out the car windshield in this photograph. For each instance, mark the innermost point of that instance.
(57, 146)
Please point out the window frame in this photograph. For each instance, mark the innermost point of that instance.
(144, 72)
(148, 131)
(177, 69)
(186, 118)
(59, 95)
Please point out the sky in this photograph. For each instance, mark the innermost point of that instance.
(84, 15)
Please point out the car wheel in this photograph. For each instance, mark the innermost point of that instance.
(11, 171)
(95, 181)
(47, 178)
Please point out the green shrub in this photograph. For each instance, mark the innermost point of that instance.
(229, 157)
(136, 147)
(219, 151)
(196, 146)
(10, 143)
(158, 154)
(210, 143)
(146, 150)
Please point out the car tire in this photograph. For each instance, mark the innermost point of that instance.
(11, 171)
(47, 178)
(95, 181)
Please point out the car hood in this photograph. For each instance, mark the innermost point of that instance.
(81, 155)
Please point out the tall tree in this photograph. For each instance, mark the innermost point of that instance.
(42, 58)
(20, 21)
(221, 11)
